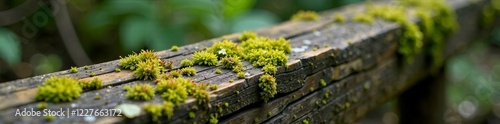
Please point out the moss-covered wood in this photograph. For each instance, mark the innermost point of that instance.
(357, 61)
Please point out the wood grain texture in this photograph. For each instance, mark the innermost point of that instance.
(359, 64)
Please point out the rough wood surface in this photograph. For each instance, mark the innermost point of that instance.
(360, 66)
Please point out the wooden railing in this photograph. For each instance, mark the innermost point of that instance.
(358, 62)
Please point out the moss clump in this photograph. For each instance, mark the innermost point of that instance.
(174, 48)
(261, 57)
(213, 119)
(148, 70)
(176, 73)
(204, 58)
(192, 115)
(176, 90)
(189, 71)
(363, 18)
(49, 118)
(411, 40)
(156, 111)
(169, 65)
(267, 84)
(240, 75)
(186, 63)
(270, 69)
(86, 67)
(218, 71)
(247, 35)
(226, 48)
(176, 95)
(238, 68)
(131, 61)
(231, 81)
(305, 121)
(213, 87)
(140, 92)
(41, 105)
(73, 70)
(97, 97)
(305, 16)
(322, 82)
(94, 84)
(230, 62)
(118, 69)
(58, 89)
(340, 18)
(202, 96)
(92, 74)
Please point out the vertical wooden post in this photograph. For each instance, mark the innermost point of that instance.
(425, 102)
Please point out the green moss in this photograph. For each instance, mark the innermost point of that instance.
(270, 69)
(247, 35)
(305, 16)
(49, 118)
(259, 57)
(266, 43)
(175, 73)
(97, 97)
(305, 121)
(226, 104)
(118, 70)
(238, 68)
(267, 84)
(324, 102)
(92, 74)
(231, 81)
(363, 18)
(204, 58)
(169, 65)
(213, 87)
(218, 71)
(94, 84)
(237, 92)
(157, 111)
(322, 82)
(226, 48)
(213, 119)
(186, 63)
(86, 67)
(192, 115)
(269, 114)
(326, 95)
(174, 48)
(294, 116)
(338, 17)
(176, 95)
(311, 89)
(73, 70)
(58, 89)
(317, 103)
(41, 105)
(189, 71)
(230, 62)
(131, 61)
(256, 120)
(347, 104)
(148, 70)
(140, 92)
(241, 75)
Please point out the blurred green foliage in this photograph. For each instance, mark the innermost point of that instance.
(10, 47)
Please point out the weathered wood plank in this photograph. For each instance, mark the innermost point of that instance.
(359, 66)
